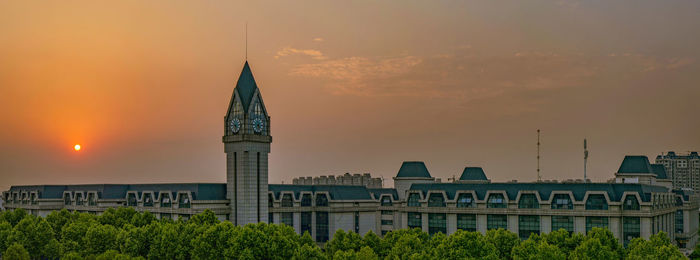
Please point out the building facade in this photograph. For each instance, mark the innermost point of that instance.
(640, 202)
(683, 169)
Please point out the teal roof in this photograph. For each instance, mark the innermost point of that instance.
(246, 86)
(379, 192)
(614, 190)
(336, 192)
(660, 171)
(200, 191)
(635, 164)
(473, 174)
(413, 170)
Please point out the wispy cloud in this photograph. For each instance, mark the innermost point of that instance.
(318, 39)
(287, 51)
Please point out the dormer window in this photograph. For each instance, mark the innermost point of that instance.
(79, 199)
(147, 200)
(386, 201)
(165, 201)
(562, 201)
(184, 201)
(465, 200)
(131, 200)
(630, 203)
(596, 202)
(528, 201)
(436, 200)
(66, 199)
(496, 200)
(91, 199)
(414, 200)
(287, 200)
(321, 200)
(306, 200)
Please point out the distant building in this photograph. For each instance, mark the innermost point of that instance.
(683, 169)
(638, 203)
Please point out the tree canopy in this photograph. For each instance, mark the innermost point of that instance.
(124, 233)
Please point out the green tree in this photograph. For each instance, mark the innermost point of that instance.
(343, 241)
(592, 248)
(36, 236)
(205, 218)
(215, 242)
(5, 232)
(309, 252)
(16, 252)
(142, 219)
(564, 240)
(534, 249)
(372, 241)
(503, 240)
(100, 238)
(466, 245)
(658, 246)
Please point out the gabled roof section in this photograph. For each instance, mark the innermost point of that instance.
(660, 171)
(635, 164)
(413, 170)
(473, 174)
(246, 86)
(336, 192)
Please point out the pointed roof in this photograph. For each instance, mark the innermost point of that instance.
(413, 170)
(635, 164)
(246, 86)
(473, 174)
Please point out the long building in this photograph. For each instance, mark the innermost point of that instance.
(640, 202)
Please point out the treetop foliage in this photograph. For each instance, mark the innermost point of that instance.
(124, 233)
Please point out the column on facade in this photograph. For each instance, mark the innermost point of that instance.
(481, 223)
(451, 224)
(545, 224)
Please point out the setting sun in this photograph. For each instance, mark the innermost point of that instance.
(76, 147)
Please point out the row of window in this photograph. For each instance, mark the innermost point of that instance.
(527, 225)
(527, 201)
(322, 235)
(288, 201)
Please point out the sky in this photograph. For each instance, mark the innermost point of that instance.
(351, 86)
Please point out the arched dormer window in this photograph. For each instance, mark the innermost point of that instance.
(496, 200)
(79, 198)
(306, 200)
(147, 200)
(165, 201)
(321, 200)
(436, 200)
(562, 201)
(131, 200)
(287, 200)
(91, 199)
(414, 200)
(270, 202)
(184, 201)
(528, 201)
(596, 202)
(386, 201)
(630, 203)
(465, 200)
(66, 199)
(32, 198)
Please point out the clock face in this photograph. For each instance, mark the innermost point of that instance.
(235, 125)
(258, 125)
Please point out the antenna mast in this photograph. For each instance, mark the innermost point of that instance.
(539, 178)
(246, 41)
(585, 159)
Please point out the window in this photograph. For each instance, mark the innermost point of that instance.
(630, 229)
(630, 203)
(415, 220)
(357, 222)
(437, 222)
(496, 222)
(165, 201)
(165, 216)
(24, 198)
(414, 200)
(184, 201)
(528, 201)
(465, 200)
(496, 200)
(321, 226)
(466, 222)
(306, 222)
(436, 200)
(596, 202)
(562, 201)
(679, 221)
(33, 198)
(387, 212)
(563, 222)
(79, 198)
(147, 200)
(66, 198)
(591, 222)
(386, 201)
(306, 200)
(131, 200)
(321, 200)
(270, 201)
(270, 218)
(287, 218)
(387, 222)
(91, 199)
(287, 200)
(528, 225)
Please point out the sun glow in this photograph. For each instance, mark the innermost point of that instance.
(76, 147)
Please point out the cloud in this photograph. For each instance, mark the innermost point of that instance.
(287, 51)
(318, 39)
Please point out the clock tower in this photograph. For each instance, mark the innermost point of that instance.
(247, 145)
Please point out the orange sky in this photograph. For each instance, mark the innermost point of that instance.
(350, 86)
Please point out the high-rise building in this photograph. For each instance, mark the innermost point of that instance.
(683, 169)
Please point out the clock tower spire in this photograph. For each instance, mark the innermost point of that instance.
(247, 145)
